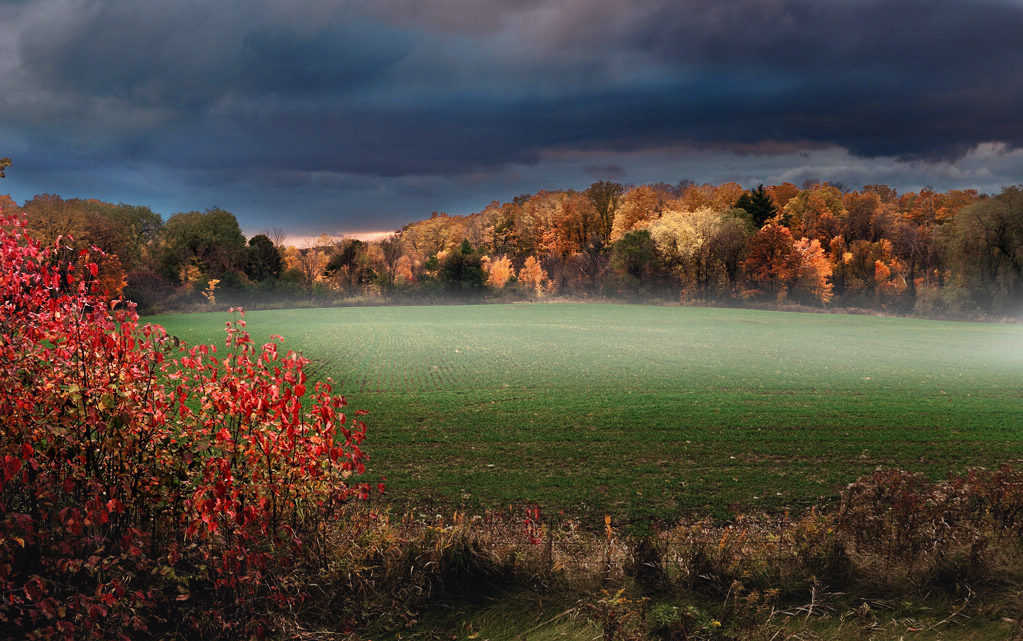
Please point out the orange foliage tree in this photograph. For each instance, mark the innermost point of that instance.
(868, 272)
(639, 205)
(498, 271)
(783, 193)
(814, 270)
(572, 224)
(778, 266)
(771, 262)
(815, 213)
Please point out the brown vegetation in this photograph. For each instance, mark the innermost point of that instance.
(894, 538)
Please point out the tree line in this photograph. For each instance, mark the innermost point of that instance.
(820, 244)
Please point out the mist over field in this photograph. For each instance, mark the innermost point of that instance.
(653, 411)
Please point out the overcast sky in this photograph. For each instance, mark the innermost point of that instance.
(355, 115)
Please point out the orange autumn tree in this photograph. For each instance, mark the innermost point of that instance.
(815, 213)
(814, 270)
(717, 197)
(770, 263)
(111, 276)
(889, 272)
(403, 271)
(498, 271)
(573, 224)
(783, 193)
(867, 273)
(777, 266)
(640, 206)
(861, 208)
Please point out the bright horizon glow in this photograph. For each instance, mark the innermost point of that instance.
(296, 240)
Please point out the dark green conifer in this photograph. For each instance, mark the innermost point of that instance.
(758, 204)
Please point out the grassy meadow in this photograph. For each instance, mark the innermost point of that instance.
(651, 412)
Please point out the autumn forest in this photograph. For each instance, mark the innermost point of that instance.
(819, 245)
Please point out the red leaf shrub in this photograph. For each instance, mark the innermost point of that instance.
(144, 484)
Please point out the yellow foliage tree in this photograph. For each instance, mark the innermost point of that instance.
(694, 245)
(310, 262)
(532, 276)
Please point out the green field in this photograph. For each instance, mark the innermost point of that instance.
(648, 411)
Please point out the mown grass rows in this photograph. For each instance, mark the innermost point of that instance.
(654, 411)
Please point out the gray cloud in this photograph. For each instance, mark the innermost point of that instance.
(393, 106)
(610, 171)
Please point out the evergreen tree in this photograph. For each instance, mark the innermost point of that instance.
(462, 272)
(264, 259)
(758, 204)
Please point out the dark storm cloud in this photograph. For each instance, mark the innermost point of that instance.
(233, 92)
(917, 78)
(190, 58)
(611, 171)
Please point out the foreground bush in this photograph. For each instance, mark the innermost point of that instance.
(146, 486)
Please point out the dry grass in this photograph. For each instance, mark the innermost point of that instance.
(866, 570)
